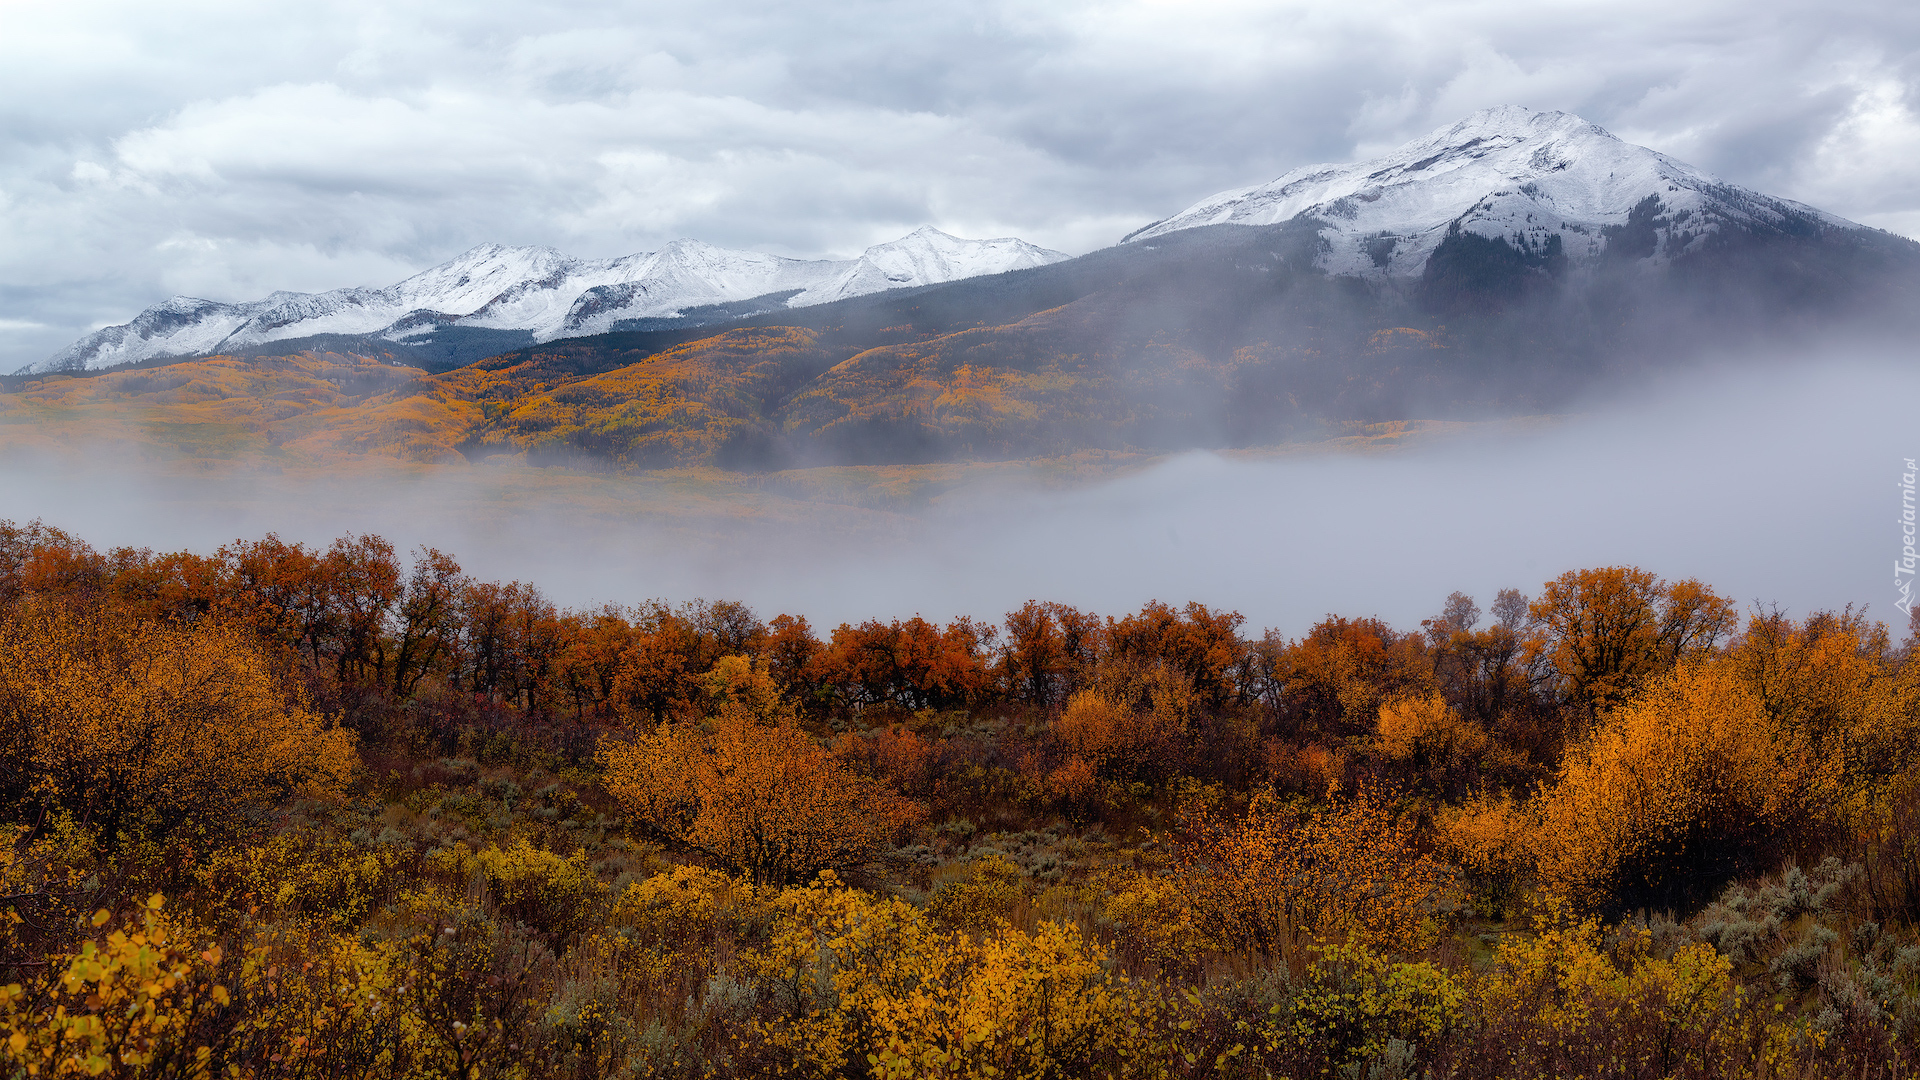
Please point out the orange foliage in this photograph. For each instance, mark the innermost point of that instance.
(145, 728)
(1120, 743)
(764, 800)
(1278, 879)
(911, 665)
(1488, 837)
(1428, 733)
(1678, 789)
(652, 681)
(1051, 652)
(510, 644)
(1836, 679)
(1074, 783)
(1337, 676)
(590, 664)
(791, 651)
(894, 754)
(1609, 629)
(38, 558)
(1203, 646)
(1303, 770)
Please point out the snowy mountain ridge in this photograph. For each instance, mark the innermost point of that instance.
(1508, 194)
(545, 293)
(1541, 181)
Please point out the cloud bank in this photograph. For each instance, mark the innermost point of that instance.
(225, 150)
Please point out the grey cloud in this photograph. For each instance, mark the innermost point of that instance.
(229, 150)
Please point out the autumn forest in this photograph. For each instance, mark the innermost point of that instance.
(282, 811)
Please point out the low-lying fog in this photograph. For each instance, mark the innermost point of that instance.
(1772, 484)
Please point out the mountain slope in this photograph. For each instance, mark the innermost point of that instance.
(543, 294)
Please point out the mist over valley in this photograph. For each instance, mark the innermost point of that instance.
(1769, 477)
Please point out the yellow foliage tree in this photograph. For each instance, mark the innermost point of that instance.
(1276, 880)
(1488, 837)
(1428, 732)
(764, 800)
(1609, 629)
(146, 728)
(1688, 783)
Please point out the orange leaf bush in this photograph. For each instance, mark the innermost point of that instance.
(1276, 880)
(764, 800)
(1677, 790)
(148, 728)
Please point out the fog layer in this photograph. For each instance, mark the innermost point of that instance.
(1774, 483)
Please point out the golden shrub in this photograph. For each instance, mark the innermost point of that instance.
(557, 894)
(144, 728)
(684, 895)
(153, 997)
(867, 985)
(125, 1004)
(764, 800)
(1353, 1002)
(1427, 729)
(1119, 742)
(1275, 880)
(994, 884)
(1488, 837)
(1152, 912)
(1684, 785)
(1563, 979)
(328, 883)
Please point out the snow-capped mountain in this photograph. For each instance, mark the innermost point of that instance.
(544, 293)
(1547, 183)
(928, 255)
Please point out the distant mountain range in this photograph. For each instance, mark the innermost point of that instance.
(529, 294)
(1499, 267)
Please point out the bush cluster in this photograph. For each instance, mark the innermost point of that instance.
(279, 812)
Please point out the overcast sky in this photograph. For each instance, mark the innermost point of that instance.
(226, 150)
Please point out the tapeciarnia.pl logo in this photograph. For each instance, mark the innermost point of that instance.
(1903, 566)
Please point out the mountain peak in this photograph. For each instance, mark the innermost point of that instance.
(927, 256)
(1515, 120)
(1540, 181)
